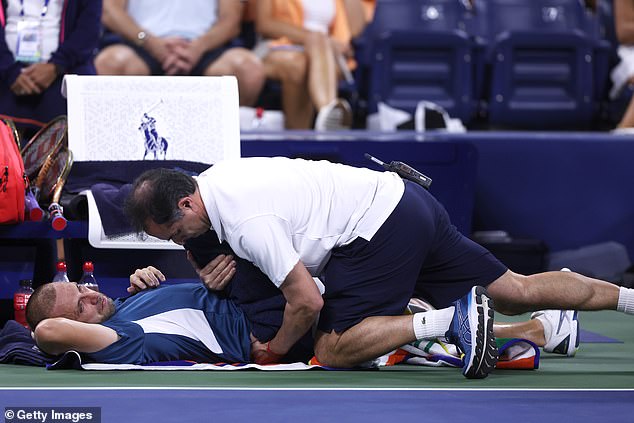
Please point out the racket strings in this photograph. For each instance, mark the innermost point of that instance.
(44, 143)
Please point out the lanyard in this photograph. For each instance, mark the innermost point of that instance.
(44, 8)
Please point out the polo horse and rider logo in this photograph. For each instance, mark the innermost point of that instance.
(155, 144)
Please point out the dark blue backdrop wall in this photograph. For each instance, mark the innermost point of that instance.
(567, 189)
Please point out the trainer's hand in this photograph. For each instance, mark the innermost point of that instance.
(217, 273)
(148, 277)
(262, 354)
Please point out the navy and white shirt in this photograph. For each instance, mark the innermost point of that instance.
(176, 322)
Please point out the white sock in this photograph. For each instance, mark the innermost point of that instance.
(626, 300)
(432, 324)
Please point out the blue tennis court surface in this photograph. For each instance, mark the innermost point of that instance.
(597, 385)
(358, 405)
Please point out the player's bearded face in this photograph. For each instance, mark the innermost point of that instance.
(80, 303)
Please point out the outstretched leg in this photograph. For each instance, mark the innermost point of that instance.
(516, 294)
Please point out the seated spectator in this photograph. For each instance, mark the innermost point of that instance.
(40, 42)
(305, 47)
(179, 38)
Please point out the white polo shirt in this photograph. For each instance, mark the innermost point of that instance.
(277, 211)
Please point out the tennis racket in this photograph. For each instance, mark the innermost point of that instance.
(50, 181)
(14, 131)
(45, 143)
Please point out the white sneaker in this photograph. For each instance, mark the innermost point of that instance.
(622, 131)
(334, 116)
(561, 330)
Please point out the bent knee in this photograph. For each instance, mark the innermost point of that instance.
(288, 68)
(239, 57)
(120, 59)
(326, 349)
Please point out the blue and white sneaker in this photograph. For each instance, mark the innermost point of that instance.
(561, 330)
(471, 330)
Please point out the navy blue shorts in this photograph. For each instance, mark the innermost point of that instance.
(199, 69)
(416, 253)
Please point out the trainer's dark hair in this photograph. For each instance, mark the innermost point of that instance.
(155, 195)
(40, 304)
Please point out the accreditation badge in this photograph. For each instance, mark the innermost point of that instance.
(29, 48)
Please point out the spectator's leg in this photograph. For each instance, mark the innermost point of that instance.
(119, 59)
(322, 70)
(289, 67)
(246, 67)
(627, 121)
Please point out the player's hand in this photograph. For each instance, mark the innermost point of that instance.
(148, 277)
(261, 353)
(216, 274)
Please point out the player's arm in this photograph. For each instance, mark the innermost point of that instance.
(58, 335)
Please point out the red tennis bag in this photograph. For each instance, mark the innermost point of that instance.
(13, 181)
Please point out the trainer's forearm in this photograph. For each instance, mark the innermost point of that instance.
(303, 304)
(297, 321)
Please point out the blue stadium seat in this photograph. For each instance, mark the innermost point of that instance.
(541, 62)
(419, 50)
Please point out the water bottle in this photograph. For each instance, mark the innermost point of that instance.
(20, 298)
(88, 278)
(61, 275)
(258, 118)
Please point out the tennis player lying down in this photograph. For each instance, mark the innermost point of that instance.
(162, 322)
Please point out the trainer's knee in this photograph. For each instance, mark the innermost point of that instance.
(511, 293)
(326, 349)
